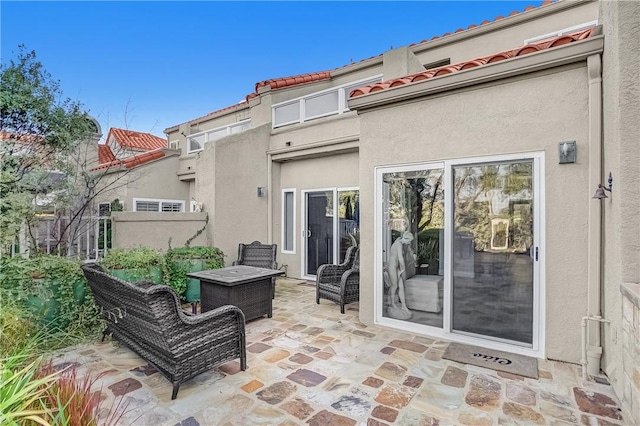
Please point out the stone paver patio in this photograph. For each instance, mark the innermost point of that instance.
(311, 365)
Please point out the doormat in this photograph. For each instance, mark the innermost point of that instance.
(496, 360)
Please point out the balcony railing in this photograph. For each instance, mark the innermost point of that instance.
(315, 105)
(197, 141)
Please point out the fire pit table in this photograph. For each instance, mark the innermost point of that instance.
(247, 287)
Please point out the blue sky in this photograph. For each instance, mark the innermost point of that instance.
(149, 65)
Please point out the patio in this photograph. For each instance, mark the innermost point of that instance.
(311, 365)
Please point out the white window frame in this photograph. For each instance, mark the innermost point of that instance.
(159, 201)
(342, 101)
(561, 32)
(446, 332)
(174, 144)
(283, 222)
(104, 204)
(206, 133)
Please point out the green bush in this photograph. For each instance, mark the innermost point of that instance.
(133, 264)
(50, 291)
(182, 260)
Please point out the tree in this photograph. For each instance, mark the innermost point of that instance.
(48, 149)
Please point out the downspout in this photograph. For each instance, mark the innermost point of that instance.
(269, 201)
(593, 346)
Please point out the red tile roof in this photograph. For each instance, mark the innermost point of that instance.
(105, 154)
(461, 66)
(133, 161)
(136, 140)
(279, 83)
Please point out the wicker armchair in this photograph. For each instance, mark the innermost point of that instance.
(148, 318)
(259, 255)
(340, 283)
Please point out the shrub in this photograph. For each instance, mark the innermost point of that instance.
(139, 263)
(49, 291)
(182, 260)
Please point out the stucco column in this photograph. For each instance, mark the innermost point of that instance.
(594, 280)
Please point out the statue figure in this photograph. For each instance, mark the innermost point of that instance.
(395, 276)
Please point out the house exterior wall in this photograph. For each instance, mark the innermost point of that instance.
(155, 179)
(529, 113)
(141, 229)
(230, 172)
(621, 241)
(504, 38)
(308, 174)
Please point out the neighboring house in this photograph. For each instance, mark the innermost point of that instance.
(134, 168)
(486, 145)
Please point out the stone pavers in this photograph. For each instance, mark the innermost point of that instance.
(310, 365)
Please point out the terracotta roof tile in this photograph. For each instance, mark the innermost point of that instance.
(136, 140)
(133, 161)
(105, 154)
(496, 57)
(281, 82)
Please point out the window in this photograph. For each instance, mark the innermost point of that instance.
(561, 32)
(315, 105)
(157, 205)
(174, 144)
(288, 221)
(196, 141)
(104, 209)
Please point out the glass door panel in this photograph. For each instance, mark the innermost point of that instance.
(348, 221)
(319, 232)
(493, 276)
(413, 246)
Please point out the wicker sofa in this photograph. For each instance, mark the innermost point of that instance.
(148, 318)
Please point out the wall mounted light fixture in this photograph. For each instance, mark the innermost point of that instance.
(600, 192)
(262, 191)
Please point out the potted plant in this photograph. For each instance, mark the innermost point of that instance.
(51, 287)
(183, 260)
(134, 264)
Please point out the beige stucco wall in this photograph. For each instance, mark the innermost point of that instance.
(308, 174)
(621, 264)
(516, 116)
(138, 229)
(156, 179)
(229, 174)
(507, 37)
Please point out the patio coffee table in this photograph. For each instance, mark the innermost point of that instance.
(247, 287)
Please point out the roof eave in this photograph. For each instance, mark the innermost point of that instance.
(562, 55)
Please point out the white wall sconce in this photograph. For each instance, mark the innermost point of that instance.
(600, 192)
(567, 152)
(262, 191)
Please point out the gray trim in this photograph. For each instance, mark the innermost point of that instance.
(550, 58)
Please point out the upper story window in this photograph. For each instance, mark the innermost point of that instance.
(157, 205)
(196, 141)
(561, 32)
(315, 105)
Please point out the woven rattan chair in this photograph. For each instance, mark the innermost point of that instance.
(259, 255)
(340, 283)
(148, 318)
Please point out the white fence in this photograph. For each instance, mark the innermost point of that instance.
(88, 238)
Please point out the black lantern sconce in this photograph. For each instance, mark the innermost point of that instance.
(600, 192)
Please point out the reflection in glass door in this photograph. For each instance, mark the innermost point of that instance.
(493, 281)
(319, 232)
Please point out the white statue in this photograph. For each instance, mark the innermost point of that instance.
(395, 276)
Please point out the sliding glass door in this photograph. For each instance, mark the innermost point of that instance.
(492, 257)
(458, 249)
(329, 231)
